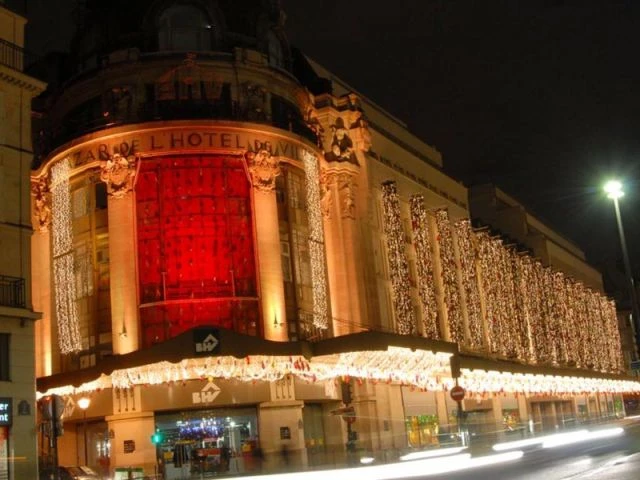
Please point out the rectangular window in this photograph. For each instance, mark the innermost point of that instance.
(4, 357)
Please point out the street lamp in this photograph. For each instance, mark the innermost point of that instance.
(84, 403)
(613, 189)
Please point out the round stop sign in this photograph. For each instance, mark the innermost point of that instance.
(457, 393)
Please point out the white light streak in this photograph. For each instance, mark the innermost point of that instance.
(438, 452)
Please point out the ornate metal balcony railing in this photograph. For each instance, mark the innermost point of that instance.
(14, 56)
(12, 292)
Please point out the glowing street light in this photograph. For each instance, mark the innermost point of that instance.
(84, 403)
(613, 189)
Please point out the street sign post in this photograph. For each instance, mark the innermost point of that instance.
(457, 393)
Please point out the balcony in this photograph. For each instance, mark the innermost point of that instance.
(12, 292)
(13, 56)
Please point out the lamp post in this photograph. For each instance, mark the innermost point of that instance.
(84, 403)
(613, 189)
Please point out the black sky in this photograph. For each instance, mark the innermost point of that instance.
(541, 97)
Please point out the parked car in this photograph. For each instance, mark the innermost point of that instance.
(69, 473)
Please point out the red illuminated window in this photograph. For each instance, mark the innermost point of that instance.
(195, 246)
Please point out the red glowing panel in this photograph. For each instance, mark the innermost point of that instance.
(195, 246)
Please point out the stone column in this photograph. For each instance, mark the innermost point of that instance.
(263, 169)
(118, 173)
(282, 427)
(345, 271)
(41, 268)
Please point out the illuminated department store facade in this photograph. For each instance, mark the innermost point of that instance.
(223, 237)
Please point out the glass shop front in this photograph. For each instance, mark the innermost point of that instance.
(211, 441)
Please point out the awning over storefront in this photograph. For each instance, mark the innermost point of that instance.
(210, 351)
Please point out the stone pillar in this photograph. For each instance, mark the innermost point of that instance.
(136, 427)
(523, 411)
(118, 173)
(346, 282)
(282, 428)
(441, 408)
(264, 168)
(129, 423)
(41, 267)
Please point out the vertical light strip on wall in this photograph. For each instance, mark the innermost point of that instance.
(449, 276)
(424, 266)
(398, 268)
(63, 269)
(468, 251)
(316, 241)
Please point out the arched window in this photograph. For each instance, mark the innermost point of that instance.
(184, 28)
(276, 53)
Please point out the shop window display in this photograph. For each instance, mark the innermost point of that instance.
(208, 442)
(422, 430)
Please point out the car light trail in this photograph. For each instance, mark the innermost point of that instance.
(416, 468)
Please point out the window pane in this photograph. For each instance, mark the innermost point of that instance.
(4, 356)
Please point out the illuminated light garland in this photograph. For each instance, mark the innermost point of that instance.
(424, 267)
(419, 368)
(549, 342)
(449, 270)
(398, 268)
(594, 329)
(316, 242)
(485, 382)
(522, 334)
(63, 268)
(508, 297)
(489, 266)
(468, 254)
(612, 333)
(562, 318)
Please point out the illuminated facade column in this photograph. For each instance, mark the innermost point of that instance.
(345, 279)
(263, 169)
(118, 173)
(523, 410)
(441, 407)
(283, 413)
(41, 276)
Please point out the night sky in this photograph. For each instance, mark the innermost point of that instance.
(541, 97)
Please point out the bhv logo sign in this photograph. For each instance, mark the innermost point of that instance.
(207, 344)
(207, 395)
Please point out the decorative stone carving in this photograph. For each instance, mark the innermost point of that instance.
(346, 187)
(326, 197)
(42, 204)
(341, 149)
(263, 168)
(118, 173)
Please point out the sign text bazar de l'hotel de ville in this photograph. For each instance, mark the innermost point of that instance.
(159, 141)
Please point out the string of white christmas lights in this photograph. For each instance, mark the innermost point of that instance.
(419, 368)
(63, 269)
(468, 253)
(398, 267)
(424, 267)
(449, 277)
(316, 241)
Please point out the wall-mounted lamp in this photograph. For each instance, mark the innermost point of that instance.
(275, 321)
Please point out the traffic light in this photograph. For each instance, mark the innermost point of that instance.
(157, 438)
